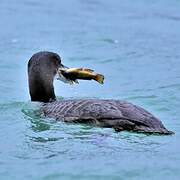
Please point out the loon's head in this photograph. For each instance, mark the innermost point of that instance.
(42, 69)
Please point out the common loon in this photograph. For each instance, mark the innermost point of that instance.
(117, 114)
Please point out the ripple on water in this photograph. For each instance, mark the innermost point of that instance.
(143, 97)
(47, 133)
(170, 86)
(111, 41)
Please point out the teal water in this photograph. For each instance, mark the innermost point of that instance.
(135, 44)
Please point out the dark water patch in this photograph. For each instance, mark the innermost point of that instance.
(81, 59)
(39, 125)
(163, 109)
(170, 86)
(111, 41)
(142, 97)
(169, 17)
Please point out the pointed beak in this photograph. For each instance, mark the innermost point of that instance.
(62, 67)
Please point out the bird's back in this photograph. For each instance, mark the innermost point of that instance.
(119, 115)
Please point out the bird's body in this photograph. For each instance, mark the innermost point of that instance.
(116, 114)
(120, 115)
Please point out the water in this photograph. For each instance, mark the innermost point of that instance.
(135, 44)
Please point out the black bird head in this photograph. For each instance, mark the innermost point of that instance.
(42, 69)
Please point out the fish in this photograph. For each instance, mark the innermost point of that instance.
(71, 75)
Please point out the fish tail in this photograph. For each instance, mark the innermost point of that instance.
(99, 78)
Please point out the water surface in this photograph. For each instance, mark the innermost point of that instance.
(135, 44)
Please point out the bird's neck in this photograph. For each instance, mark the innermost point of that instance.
(42, 92)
